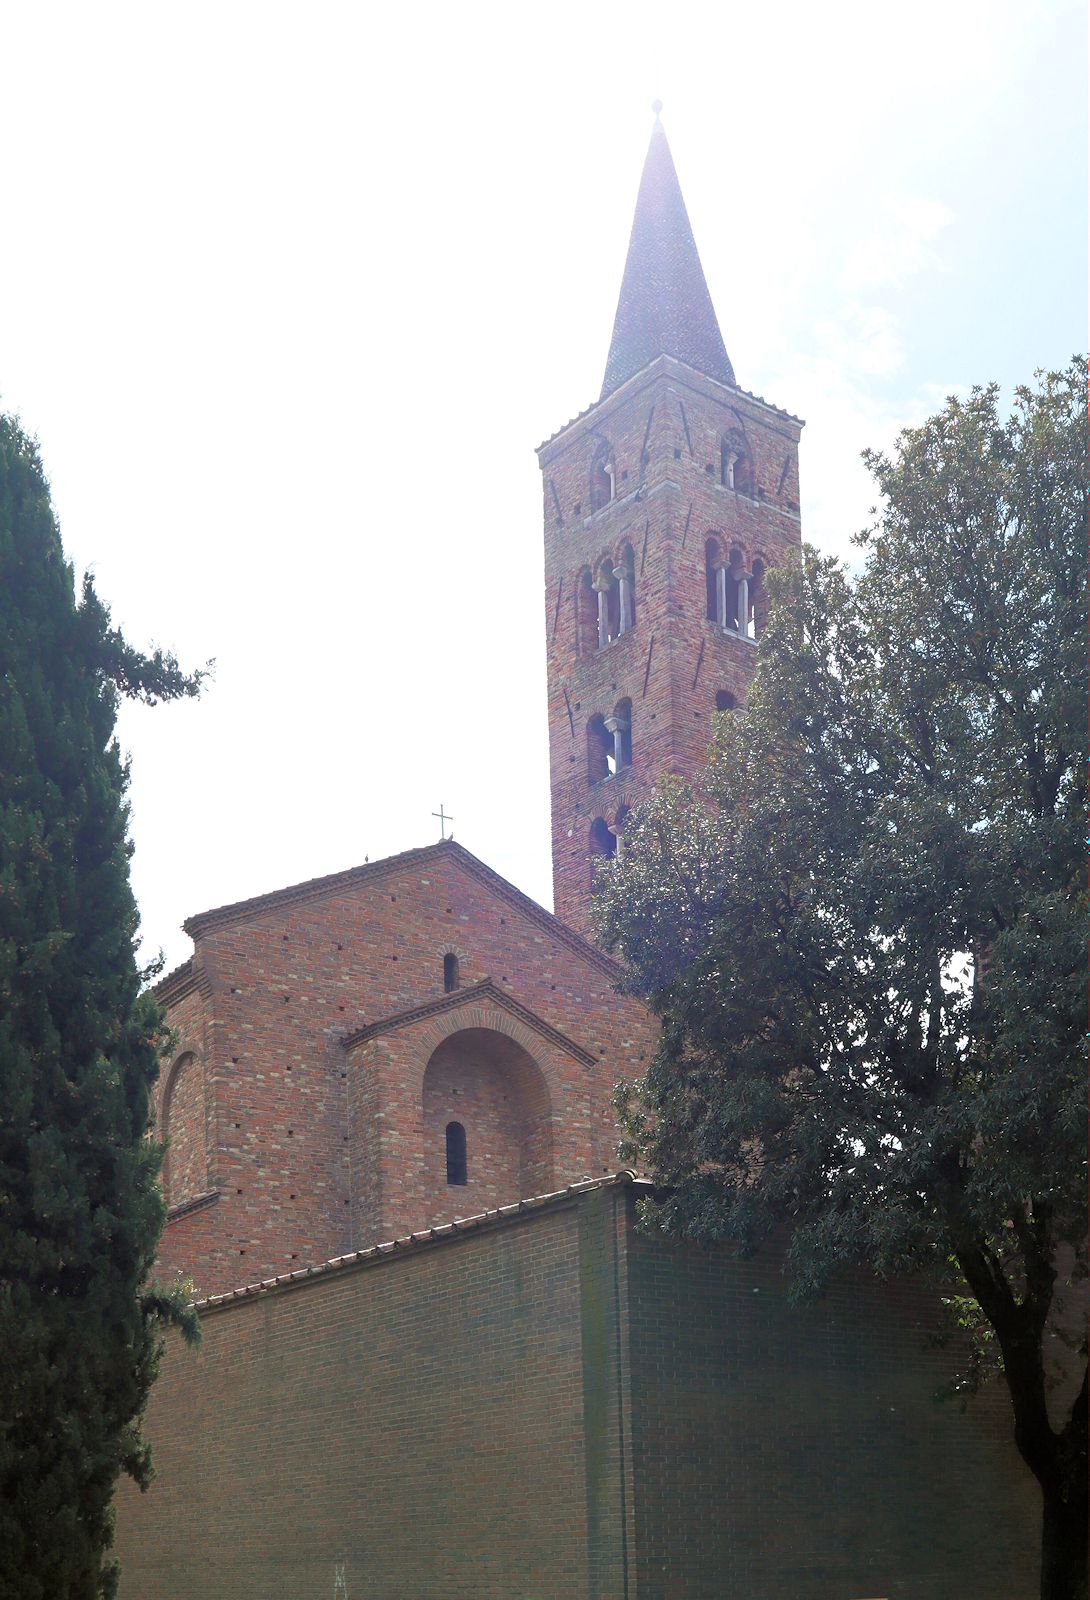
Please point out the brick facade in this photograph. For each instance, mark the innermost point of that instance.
(552, 1405)
(320, 1058)
(531, 1399)
(669, 516)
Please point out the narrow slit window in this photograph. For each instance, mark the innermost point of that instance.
(456, 1155)
(450, 972)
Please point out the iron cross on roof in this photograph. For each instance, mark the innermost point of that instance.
(443, 820)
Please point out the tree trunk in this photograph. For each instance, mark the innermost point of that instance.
(1063, 1548)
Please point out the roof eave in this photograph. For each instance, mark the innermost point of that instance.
(670, 366)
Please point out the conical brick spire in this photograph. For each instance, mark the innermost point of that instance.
(664, 306)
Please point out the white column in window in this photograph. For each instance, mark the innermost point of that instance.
(731, 460)
(721, 594)
(618, 727)
(743, 605)
(601, 584)
(624, 583)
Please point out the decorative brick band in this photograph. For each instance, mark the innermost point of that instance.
(177, 984)
(198, 1203)
(473, 996)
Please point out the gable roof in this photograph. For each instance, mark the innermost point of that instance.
(664, 307)
(445, 851)
(486, 990)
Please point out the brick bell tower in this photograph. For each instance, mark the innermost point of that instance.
(665, 504)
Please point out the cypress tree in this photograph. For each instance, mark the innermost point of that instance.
(80, 1210)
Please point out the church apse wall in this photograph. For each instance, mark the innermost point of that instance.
(333, 1038)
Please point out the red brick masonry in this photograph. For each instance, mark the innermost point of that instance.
(319, 1059)
(542, 1402)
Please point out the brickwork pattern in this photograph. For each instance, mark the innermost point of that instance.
(665, 430)
(553, 1405)
(801, 1453)
(415, 1424)
(185, 1169)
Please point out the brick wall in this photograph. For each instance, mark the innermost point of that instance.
(799, 1454)
(553, 1406)
(665, 431)
(416, 1422)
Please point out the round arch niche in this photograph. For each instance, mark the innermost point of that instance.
(492, 1087)
(184, 1169)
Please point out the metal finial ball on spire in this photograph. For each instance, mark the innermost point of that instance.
(656, 106)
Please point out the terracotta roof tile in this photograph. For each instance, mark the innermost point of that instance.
(415, 1241)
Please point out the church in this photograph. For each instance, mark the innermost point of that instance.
(439, 1357)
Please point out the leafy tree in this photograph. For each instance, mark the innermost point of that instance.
(80, 1212)
(867, 950)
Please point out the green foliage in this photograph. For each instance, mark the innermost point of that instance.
(867, 951)
(80, 1211)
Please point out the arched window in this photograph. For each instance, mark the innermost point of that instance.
(602, 477)
(725, 701)
(713, 560)
(599, 749)
(736, 594)
(450, 972)
(608, 591)
(736, 463)
(625, 574)
(758, 598)
(182, 1125)
(456, 1154)
(586, 613)
(620, 822)
(602, 845)
(619, 725)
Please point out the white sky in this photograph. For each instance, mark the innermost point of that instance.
(290, 293)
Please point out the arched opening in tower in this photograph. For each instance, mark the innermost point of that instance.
(602, 477)
(600, 762)
(586, 614)
(713, 560)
